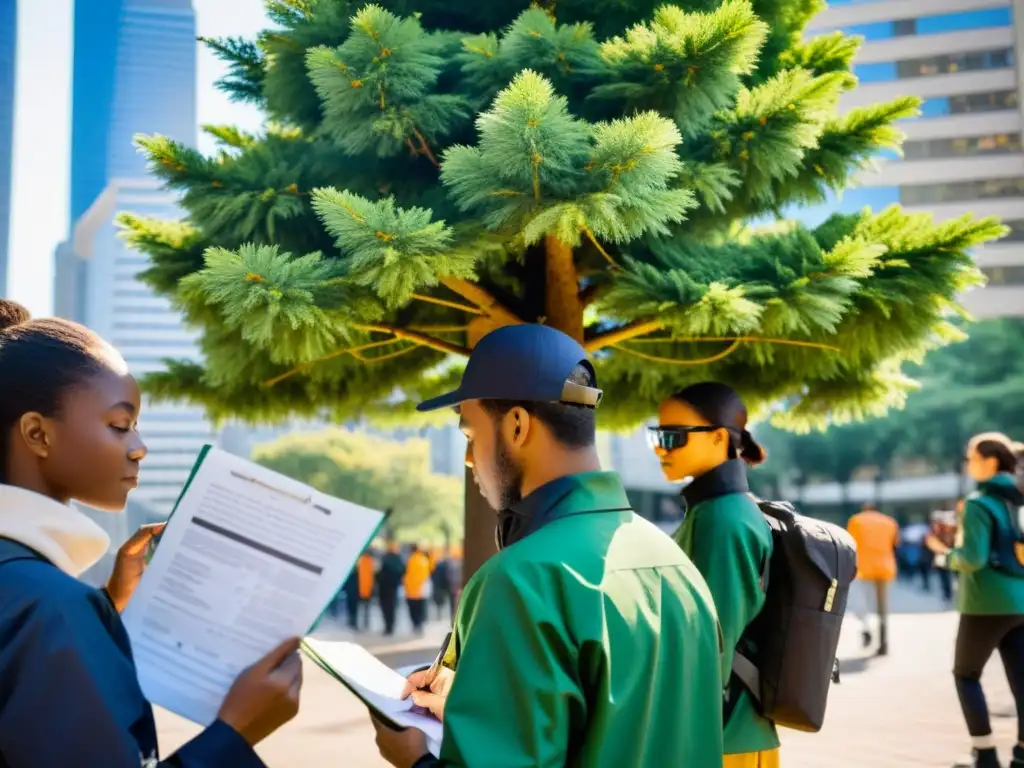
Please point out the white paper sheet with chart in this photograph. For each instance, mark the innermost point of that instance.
(379, 686)
(248, 559)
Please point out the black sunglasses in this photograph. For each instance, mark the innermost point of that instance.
(668, 438)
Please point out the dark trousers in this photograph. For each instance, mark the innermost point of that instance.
(945, 583)
(443, 602)
(417, 612)
(388, 606)
(976, 639)
(356, 607)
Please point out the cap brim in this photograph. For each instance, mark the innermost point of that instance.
(449, 400)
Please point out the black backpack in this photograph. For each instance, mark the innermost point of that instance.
(786, 657)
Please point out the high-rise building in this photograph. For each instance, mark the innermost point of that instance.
(134, 72)
(8, 56)
(964, 153)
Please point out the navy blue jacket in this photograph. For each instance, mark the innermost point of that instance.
(69, 693)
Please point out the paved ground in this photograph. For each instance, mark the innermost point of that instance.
(897, 712)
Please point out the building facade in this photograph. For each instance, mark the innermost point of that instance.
(8, 69)
(964, 153)
(134, 72)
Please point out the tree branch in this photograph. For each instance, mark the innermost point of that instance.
(474, 310)
(482, 298)
(622, 333)
(417, 338)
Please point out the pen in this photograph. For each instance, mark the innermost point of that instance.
(435, 669)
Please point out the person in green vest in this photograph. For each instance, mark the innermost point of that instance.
(702, 434)
(589, 639)
(990, 600)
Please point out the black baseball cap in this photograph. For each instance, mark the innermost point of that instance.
(522, 362)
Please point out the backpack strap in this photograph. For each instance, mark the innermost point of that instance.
(998, 526)
(745, 671)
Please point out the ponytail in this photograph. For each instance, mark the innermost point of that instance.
(750, 450)
(721, 405)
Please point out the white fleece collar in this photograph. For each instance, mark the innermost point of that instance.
(60, 533)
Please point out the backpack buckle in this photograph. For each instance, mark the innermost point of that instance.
(831, 595)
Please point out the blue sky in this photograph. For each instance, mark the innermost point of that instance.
(41, 131)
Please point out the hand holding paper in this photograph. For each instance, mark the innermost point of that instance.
(266, 695)
(248, 559)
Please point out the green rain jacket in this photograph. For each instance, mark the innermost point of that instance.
(592, 641)
(984, 590)
(727, 537)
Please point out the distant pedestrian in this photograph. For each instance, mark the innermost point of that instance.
(455, 577)
(389, 580)
(877, 536)
(358, 584)
(351, 594)
(913, 537)
(417, 576)
(991, 595)
(366, 570)
(441, 583)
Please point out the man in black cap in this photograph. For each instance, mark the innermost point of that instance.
(590, 639)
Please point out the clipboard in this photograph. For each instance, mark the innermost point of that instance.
(375, 674)
(377, 713)
(200, 458)
(232, 506)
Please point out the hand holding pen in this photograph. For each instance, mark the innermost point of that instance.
(429, 687)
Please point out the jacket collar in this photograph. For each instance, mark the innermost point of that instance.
(1003, 485)
(569, 495)
(60, 533)
(728, 477)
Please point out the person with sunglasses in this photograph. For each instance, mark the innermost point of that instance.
(702, 434)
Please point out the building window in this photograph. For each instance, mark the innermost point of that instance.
(968, 103)
(925, 194)
(1004, 275)
(991, 144)
(982, 102)
(885, 71)
(955, 62)
(903, 27)
(932, 25)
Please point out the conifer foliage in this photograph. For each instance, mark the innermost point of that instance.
(431, 170)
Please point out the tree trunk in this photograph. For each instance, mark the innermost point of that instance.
(480, 521)
(563, 311)
(562, 306)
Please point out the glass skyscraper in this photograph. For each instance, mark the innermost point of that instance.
(134, 72)
(8, 54)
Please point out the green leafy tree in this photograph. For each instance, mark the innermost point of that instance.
(620, 171)
(971, 387)
(374, 472)
(430, 172)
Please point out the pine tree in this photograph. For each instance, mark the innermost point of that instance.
(621, 171)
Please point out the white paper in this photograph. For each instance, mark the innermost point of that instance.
(378, 685)
(248, 559)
